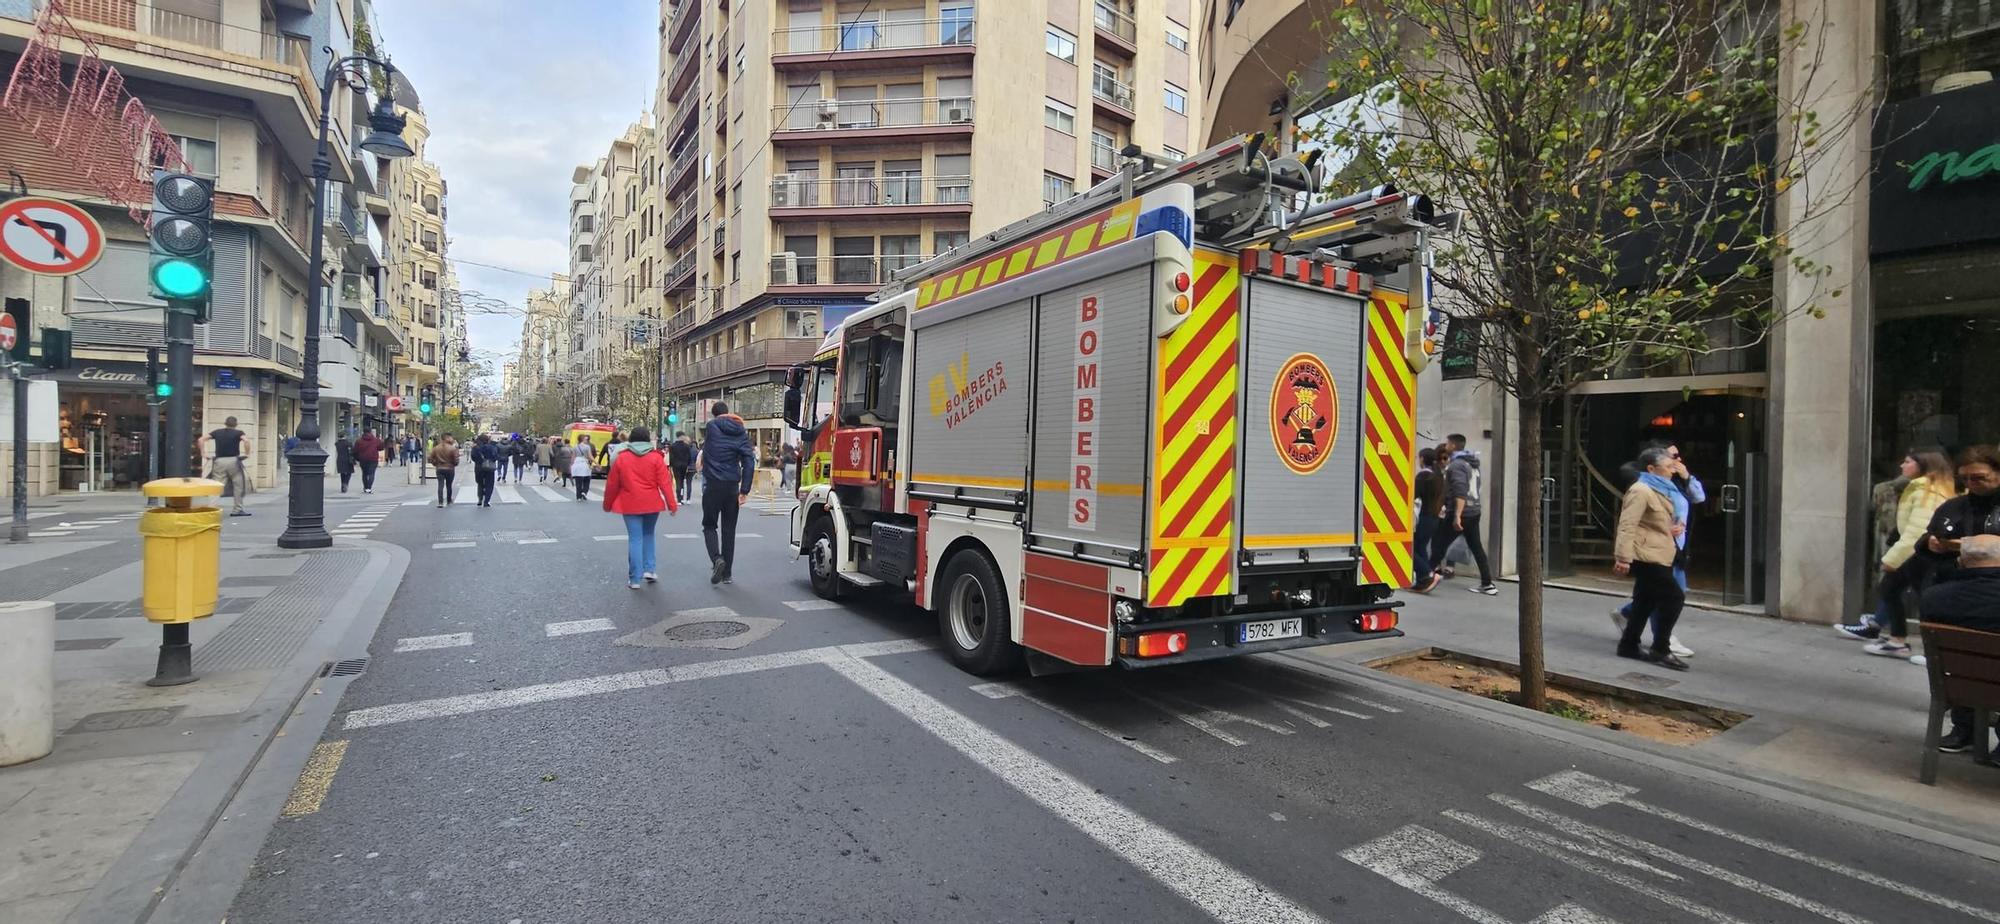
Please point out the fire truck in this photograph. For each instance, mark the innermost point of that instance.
(1169, 420)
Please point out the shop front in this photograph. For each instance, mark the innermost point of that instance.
(108, 424)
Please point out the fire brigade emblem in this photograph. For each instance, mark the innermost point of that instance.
(854, 455)
(1304, 413)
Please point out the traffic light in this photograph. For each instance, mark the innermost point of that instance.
(160, 388)
(55, 349)
(182, 264)
(424, 405)
(673, 412)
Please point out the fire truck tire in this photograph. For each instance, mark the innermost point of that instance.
(973, 616)
(822, 557)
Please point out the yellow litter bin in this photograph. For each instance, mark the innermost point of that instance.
(183, 550)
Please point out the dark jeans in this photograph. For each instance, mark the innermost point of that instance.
(520, 468)
(484, 479)
(683, 484)
(1446, 535)
(445, 477)
(367, 475)
(718, 514)
(1653, 591)
(1892, 612)
(1420, 549)
(582, 483)
(346, 475)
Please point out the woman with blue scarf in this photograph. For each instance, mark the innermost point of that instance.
(1650, 526)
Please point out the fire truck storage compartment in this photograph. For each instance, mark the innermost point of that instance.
(892, 551)
(1287, 512)
(1091, 401)
(971, 434)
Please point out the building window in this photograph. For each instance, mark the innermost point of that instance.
(1103, 150)
(1059, 116)
(1173, 153)
(1056, 188)
(954, 178)
(1176, 99)
(948, 240)
(1177, 38)
(955, 23)
(1061, 44)
(196, 137)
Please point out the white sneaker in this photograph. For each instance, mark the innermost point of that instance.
(1680, 651)
(1919, 660)
(1618, 617)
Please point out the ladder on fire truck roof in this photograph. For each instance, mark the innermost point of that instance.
(1241, 194)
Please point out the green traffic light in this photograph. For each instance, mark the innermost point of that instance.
(180, 279)
(163, 390)
(673, 419)
(424, 408)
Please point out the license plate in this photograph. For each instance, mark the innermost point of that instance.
(1270, 629)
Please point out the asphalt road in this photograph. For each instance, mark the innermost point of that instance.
(516, 762)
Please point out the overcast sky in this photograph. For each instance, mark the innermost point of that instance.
(518, 94)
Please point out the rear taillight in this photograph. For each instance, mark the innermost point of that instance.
(1161, 644)
(1375, 621)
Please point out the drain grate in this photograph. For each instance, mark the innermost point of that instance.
(347, 668)
(705, 631)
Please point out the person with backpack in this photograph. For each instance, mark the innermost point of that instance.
(487, 460)
(637, 487)
(1460, 512)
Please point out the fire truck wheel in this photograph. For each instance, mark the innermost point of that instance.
(822, 559)
(973, 616)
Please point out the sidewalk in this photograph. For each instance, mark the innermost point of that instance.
(140, 776)
(1825, 718)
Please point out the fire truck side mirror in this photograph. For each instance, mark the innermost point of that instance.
(793, 402)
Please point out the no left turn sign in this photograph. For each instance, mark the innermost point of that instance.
(49, 236)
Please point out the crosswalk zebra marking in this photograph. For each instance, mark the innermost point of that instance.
(533, 541)
(508, 494)
(429, 642)
(549, 494)
(453, 545)
(578, 627)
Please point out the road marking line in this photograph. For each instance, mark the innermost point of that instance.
(892, 646)
(1196, 721)
(680, 535)
(749, 535)
(609, 538)
(804, 606)
(1198, 877)
(1589, 832)
(1383, 707)
(578, 627)
(533, 541)
(550, 494)
(1590, 791)
(1005, 689)
(1300, 714)
(315, 779)
(453, 545)
(1415, 857)
(1540, 843)
(507, 494)
(706, 612)
(428, 642)
(1336, 710)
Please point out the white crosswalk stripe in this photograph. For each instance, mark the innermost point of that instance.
(508, 494)
(578, 627)
(550, 494)
(807, 605)
(428, 642)
(453, 545)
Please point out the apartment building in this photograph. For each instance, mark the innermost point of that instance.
(544, 344)
(589, 354)
(806, 150)
(233, 86)
(416, 282)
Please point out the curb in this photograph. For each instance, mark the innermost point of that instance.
(190, 860)
(1915, 824)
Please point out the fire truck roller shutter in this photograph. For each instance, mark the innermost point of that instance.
(1302, 410)
(970, 426)
(1091, 400)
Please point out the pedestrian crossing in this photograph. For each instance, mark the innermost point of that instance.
(505, 537)
(360, 525)
(418, 644)
(466, 492)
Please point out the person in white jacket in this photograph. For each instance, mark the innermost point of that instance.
(1929, 471)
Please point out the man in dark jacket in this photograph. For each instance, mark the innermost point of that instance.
(728, 463)
(367, 454)
(1969, 598)
(680, 458)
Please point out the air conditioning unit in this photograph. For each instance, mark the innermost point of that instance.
(958, 115)
(829, 108)
(782, 190)
(787, 268)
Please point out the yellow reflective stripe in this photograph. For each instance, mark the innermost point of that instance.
(992, 272)
(1017, 263)
(1079, 240)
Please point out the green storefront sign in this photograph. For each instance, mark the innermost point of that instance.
(1954, 166)
(1936, 182)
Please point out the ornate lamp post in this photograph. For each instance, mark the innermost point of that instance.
(305, 518)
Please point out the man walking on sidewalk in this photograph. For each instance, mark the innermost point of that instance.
(680, 458)
(728, 463)
(231, 454)
(1461, 512)
(367, 455)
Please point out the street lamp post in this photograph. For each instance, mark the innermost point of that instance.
(305, 516)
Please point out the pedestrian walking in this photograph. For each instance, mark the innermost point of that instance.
(560, 456)
(1429, 498)
(1460, 512)
(413, 451)
(1650, 522)
(544, 454)
(1969, 598)
(1929, 514)
(1690, 487)
(637, 488)
(579, 466)
(788, 460)
(231, 465)
(728, 463)
(444, 458)
(343, 460)
(520, 454)
(488, 461)
(680, 458)
(368, 454)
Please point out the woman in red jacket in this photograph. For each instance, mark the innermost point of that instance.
(638, 488)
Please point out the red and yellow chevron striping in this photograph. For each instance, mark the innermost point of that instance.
(1103, 229)
(1388, 445)
(1194, 474)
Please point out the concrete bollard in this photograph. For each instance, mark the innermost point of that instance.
(27, 681)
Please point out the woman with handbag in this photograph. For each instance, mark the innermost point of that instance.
(637, 487)
(579, 466)
(486, 462)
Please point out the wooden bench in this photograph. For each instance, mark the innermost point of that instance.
(1965, 673)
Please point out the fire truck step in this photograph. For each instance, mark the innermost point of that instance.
(859, 579)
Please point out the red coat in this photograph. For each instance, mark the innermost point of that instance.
(640, 483)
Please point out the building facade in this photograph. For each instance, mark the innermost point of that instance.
(417, 281)
(1790, 436)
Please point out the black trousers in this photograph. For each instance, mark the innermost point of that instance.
(718, 522)
(346, 475)
(1446, 535)
(582, 483)
(444, 479)
(367, 475)
(1894, 611)
(1654, 591)
(484, 479)
(683, 484)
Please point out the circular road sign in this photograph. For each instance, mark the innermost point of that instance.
(393, 403)
(49, 236)
(8, 336)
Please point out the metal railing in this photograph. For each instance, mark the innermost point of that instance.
(681, 218)
(1112, 90)
(790, 190)
(864, 269)
(827, 115)
(1117, 22)
(679, 81)
(683, 162)
(680, 268)
(775, 353)
(872, 34)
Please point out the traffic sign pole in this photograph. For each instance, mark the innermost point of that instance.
(18, 532)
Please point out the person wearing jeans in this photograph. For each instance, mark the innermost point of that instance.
(579, 466)
(637, 487)
(1651, 520)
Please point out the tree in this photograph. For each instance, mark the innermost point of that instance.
(1624, 173)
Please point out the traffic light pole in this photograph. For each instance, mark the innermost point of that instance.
(176, 664)
(18, 532)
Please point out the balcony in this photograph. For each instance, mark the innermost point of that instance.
(365, 247)
(755, 357)
(679, 321)
(367, 176)
(1103, 159)
(682, 172)
(838, 274)
(681, 24)
(681, 274)
(685, 117)
(871, 121)
(1116, 30)
(680, 224)
(1113, 97)
(797, 196)
(720, 237)
(872, 43)
(682, 76)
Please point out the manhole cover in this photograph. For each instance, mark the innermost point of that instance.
(705, 631)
